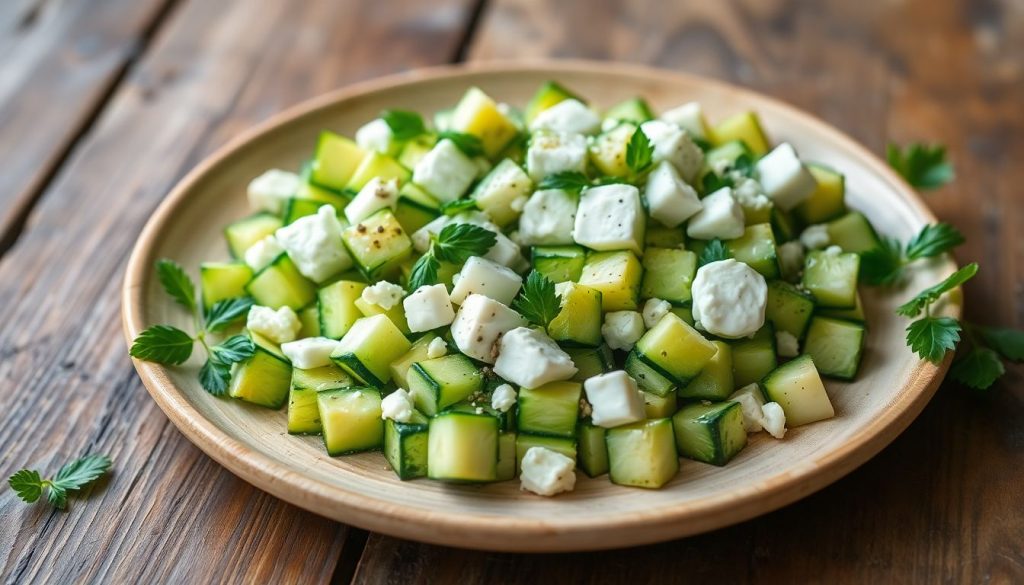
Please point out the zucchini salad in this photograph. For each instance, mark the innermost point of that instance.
(504, 293)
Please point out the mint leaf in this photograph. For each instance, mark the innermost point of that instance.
(404, 124)
(571, 181)
(27, 484)
(883, 265)
(424, 271)
(538, 301)
(1008, 342)
(743, 165)
(714, 251)
(236, 348)
(934, 240)
(460, 241)
(177, 283)
(978, 369)
(458, 206)
(713, 182)
(469, 144)
(215, 374)
(162, 344)
(932, 337)
(931, 294)
(639, 152)
(225, 312)
(81, 471)
(57, 496)
(923, 166)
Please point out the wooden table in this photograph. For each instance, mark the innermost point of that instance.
(105, 104)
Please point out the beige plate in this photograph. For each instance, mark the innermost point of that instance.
(892, 389)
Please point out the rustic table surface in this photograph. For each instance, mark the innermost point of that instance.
(105, 104)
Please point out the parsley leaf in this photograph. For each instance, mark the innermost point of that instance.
(458, 206)
(923, 166)
(713, 182)
(29, 485)
(932, 337)
(177, 283)
(639, 152)
(216, 372)
(934, 240)
(162, 344)
(1008, 342)
(979, 369)
(225, 312)
(743, 165)
(714, 251)
(571, 181)
(883, 265)
(931, 294)
(459, 241)
(404, 124)
(469, 144)
(538, 301)
(424, 271)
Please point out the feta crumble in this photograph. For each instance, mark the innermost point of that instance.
(815, 237)
(270, 191)
(278, 326)
(263, 253)
(397, 406)
(436, 348)
(546, 472)
(622, 329)
(774, 419)
(309, 353)
(529, 358)
(787, 344)
(729, 298)
(383, 294)
(503, 398)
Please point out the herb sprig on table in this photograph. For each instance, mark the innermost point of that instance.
(29, 484)
(169, 345)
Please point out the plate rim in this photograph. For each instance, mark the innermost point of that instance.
(477, 530)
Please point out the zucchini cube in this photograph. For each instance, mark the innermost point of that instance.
(378, 244)
(507, 460)
(281, 285)
(828, 201)
(746, 127)
(303, 412)
(417, 353)
(351, 419)
(463, 447)
(496, 192)
(414, 150)
(617, 276)
(559, 263)
(406, 445)
(712, 433)
(668, 274)
(368, 348)
(335, 161)
(223, 280)
(478, 114)
(242, 234)
(675, 349)
(442, 382)
(264, 378)
(832, 278)
(788, 308)
(647, 378)
(591, 450)
(547, 95)
(715, 381)
(578, 323)
(642, 454)
(798, 389)
(659, 236)
(415, 208)
(756, 248)
(836, 346)
(590, 361)
(395, 314)
(377, 166)
(550, 409)
(608, 150)
(659, 406)
(754, 357)
(310, 319)
(525, 441)
(634, 110)
(336, 308)
(853, 233)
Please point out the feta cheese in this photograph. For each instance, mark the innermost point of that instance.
(720, 217)
(791, 259)
(622, 329)
(567, 117)
(397, 406)
(785, 179)
(428, 307)
(383, 294)
(553, 152)
(373, 197)
(815, 237)
(436, 348)
(546, 472)
(671, 143)
(270, 191)
(263, 253)
(503, 398)
(833, 251)
(519, 203)
(750, 400)
(614, 399)
(669, 199)
(479, 324)
(278, 326)
(445, 172)
(548, 218)
(787, 344)
(774, 419)
(729, 298)
(654, 310)
(314, 245)
(481, 276)
(749, 194)
(503, 192)
(610, 217)
(689, 117)
(309, 353)
(504, 252)
(375, 135)
(529, 358)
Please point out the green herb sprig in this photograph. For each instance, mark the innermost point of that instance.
(886, 265)
(923, 166)
(639, 153)
(469, 144)
(455, 243)
(538, 301)
(29, 484)
(404, 125)
(713, 251)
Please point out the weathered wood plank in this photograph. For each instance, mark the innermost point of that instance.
(168, 513)
(938, 504)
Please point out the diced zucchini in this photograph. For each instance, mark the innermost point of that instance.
(416, 149)
(712, 433)
(368, 348)
(351, 419)
(336, 308)
(832, 278)
(551, 409)
(495, 193)
(684, 313)
(853, 233)
(296, 208)
(745, 126)
(417, 353)
(559, 263)
(264, 378)
(591, 450)
(659, 236)
(789, 309)
(303, 412)
(376, 165)
(548, 95)
(337, 158)
(608, 150)
(416, 208)
(281, 285)
(617, 276)
(836, 346)
(635, 110)
(715, 381)
(668, 274)
(590, 361)
(395, 313)
(563, 445)
(723, 156)
(463, 447)
(579, 320)
(405, 446)
(479, 115)
(660, 406)
(442, 382)
(310, 319)
(828, 200)
(223, 280)
(378, 244)
(675, 349)
(753, 358)
(647, 378)
(784, 225)
(856, 314)
(642, 454)
(756, 248)
(798, 389)
(242, 234)
(507, 459)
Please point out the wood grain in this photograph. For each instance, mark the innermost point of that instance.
(168, 513)
(942, 503)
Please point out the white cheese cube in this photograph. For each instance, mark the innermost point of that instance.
(314, 245)
(610, 217)
(529, 358)
(751, 400)
(785, 179)
(689, 117)
(428, 307)
(548, 218)
(567, 117)
(750, 194)
(622, 329)
(445, 172)
(729, 299)
(669, 199)
(791, 259)
(309, 353)
(481, 276)
(672, 144)
(503, 192)
(373, 197)
(774, 420)
(787, 344)
(375, 135)
(270, 191)
(551, 152)
(654, 310)
(614, 399)
(383, 294)
(503, 398)
(262, 253)
(437, 347)
(479, 324)
(546, 472)
(278, 326)
(720, 217)
(397, 406)
(815, 237)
